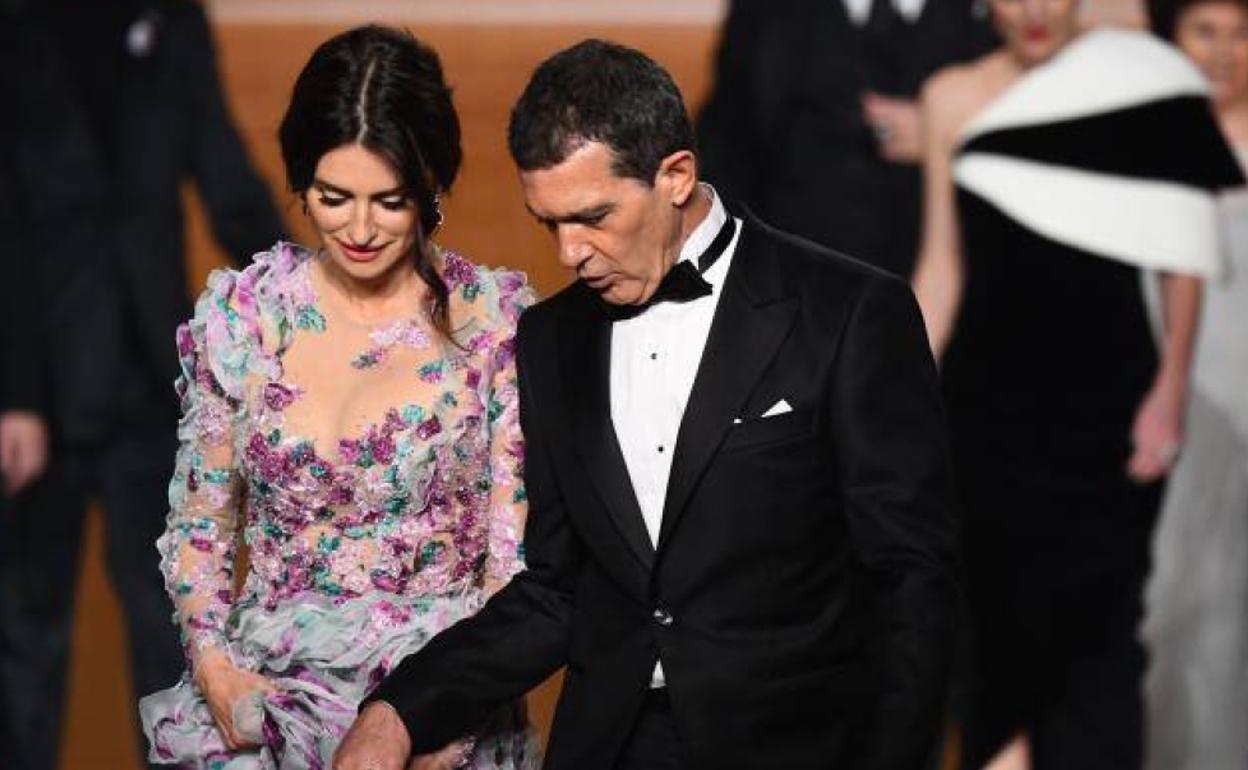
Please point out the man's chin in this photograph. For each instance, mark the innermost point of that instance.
(616, 295)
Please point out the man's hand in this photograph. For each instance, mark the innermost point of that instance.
(23, 449)
(377, 741)
(896, 125)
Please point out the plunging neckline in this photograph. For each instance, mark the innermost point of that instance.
(278, 394)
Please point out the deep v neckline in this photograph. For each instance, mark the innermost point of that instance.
(358, 447)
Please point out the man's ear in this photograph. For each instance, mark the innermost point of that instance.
(677, 177)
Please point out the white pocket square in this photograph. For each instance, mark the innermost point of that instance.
(778, 408)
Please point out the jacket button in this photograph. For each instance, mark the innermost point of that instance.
(662, 617)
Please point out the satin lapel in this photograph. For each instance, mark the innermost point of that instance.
(754, 316)
(586, 362)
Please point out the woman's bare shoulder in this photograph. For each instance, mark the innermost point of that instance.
(953, 95)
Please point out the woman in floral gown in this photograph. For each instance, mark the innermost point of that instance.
(352, 412)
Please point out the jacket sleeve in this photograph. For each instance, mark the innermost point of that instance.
(756, 66)
(240, 206)
(893, 458)
(520, 637)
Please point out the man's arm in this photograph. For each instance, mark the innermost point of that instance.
(520, 637)
(240, 206)
(889, 430)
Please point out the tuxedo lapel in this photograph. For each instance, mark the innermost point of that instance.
(585, 357)
(753, 317)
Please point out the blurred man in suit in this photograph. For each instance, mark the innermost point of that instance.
(812, 121)
(142, 75)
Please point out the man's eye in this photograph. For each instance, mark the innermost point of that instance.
(331, 200)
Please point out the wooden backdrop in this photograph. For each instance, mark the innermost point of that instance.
(487, 62)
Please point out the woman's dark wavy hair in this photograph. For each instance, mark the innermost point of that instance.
(384, 89)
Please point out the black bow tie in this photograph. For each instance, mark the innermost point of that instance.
(683, 283)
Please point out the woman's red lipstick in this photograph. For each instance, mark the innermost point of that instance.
(359, 253)
(1036, 34)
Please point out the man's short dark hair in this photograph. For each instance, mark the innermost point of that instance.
(598, 91)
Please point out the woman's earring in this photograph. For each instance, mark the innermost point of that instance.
(437, 213)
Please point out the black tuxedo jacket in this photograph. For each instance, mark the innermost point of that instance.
(802, 591)
(157, 119)
(783, 129)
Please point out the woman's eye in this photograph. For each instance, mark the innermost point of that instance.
(331, 200)
(393, 204)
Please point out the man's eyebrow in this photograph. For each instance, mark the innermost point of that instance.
(591, 214)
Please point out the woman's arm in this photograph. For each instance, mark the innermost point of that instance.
(938, 274)
(1157, 433)
(198, 547)
(508, 498)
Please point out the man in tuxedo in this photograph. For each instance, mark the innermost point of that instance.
(740, 540)
(140, 76)
(812, 120)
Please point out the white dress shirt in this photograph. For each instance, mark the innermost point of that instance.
(860, 10)
(654, 359)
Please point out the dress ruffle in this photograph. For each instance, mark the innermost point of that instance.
(324, 658)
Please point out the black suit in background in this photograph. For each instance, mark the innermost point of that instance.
(51, 217)
(142, 76)
(784, 132)
(802, 592)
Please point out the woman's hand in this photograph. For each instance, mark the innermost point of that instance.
(1158, 431)
(223, 685)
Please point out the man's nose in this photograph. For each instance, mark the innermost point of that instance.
(573, 249)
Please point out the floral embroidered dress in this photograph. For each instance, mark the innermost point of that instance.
(367, 531)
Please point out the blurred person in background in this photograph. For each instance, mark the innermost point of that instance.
(142, 75)
(52, 203)
(1197, 626)
(353, 410)
(1052, 182)
(23, 403)
(813, 123)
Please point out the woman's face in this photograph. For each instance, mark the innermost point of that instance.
(1214, 35)
(366, 220)
(1034, 30)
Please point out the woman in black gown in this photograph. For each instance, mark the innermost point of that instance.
(1050, 188)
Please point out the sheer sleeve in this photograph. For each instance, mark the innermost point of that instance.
(199, 544)
(508, 501)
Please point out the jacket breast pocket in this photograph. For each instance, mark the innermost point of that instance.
(768, 431)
